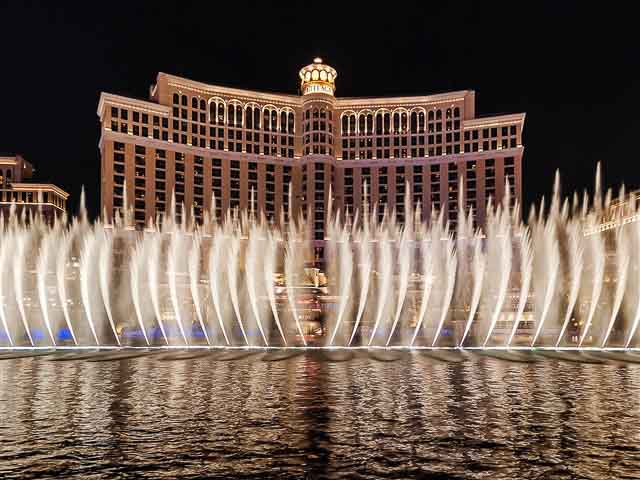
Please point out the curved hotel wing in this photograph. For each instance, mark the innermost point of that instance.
(203, 141)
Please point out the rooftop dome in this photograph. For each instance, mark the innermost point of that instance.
(318, 78)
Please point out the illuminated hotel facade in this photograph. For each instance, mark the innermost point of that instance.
(202, 141)
(17, 191)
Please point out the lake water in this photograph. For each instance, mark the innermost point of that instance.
(305, 417)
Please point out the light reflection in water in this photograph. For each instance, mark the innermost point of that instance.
(481, 418)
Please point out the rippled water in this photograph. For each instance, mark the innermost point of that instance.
(308, 418)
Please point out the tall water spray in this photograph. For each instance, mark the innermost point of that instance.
(393, 279)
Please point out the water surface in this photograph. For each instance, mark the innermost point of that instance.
(308, 418)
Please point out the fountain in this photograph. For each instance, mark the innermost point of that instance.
(560, 283)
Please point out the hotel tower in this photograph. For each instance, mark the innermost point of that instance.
(203, 141)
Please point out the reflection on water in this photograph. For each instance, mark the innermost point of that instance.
(305, 417)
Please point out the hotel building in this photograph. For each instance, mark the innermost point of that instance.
(46, 198)
(200, 140)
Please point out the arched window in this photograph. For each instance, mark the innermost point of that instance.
(265, 120)
(184, 100)
(345, 125)
(176, 99)
(369, 123)
(203, 104)
(283, 122)
(456, 112)
(438, 114)
(403, 122)
(448, 113)
(414, 122)
(315, 113)
(231, 115)
(396, 122)
(274, 120)
(292, 123)
(362, 124)
(256, 118)
(430, 115)
(378, 124)
(387, 122)
(421, 122)
(194, 102)
(221, 113)
(212, 112)
(249, 118)
(352, 124)
(238, 115)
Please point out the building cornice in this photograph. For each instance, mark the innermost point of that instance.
(126, 102)
(414, 101)
(494, 121)
(436, 159)
(240, 94)
(190, 149)
(368, 162)
(42, 187)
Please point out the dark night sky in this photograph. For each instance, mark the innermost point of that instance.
(570, 67)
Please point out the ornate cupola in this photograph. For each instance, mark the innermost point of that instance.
(318, 78)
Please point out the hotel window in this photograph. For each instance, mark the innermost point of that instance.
(509, 168)
(387, 123)
(140, 172)
(490, 177)
(216, 113)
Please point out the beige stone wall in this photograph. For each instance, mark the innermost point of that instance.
(230, 157)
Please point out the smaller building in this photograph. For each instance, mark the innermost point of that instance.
(15, 188)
